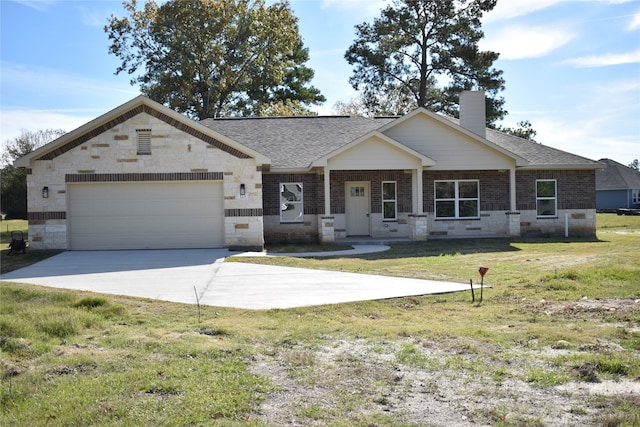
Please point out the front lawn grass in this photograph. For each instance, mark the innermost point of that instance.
(558, 312)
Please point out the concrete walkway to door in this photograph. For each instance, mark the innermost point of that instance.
(171, 275)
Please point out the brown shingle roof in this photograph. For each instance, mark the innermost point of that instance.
(535, 153)
(295, 142)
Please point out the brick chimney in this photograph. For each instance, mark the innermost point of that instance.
(473, 112)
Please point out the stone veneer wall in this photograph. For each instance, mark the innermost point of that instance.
(175, 155)
(581, 223)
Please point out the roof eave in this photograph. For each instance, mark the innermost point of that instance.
(585, 166)
(290, 170)
(25, 161)
(614, 189)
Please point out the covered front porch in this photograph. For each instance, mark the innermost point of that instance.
(398, 204)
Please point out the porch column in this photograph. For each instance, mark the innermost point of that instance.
(512, 189)
(513, 216)
(327, 191)
(419, 192)
(325, 221)
(418, 220)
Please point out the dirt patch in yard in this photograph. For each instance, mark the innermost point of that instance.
(435, 382)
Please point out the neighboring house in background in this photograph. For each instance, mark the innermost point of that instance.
(617, 186)
(143, 176)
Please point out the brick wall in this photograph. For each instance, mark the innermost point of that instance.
(494, 187)
(403, 189)
(576, 188)
(312, 192)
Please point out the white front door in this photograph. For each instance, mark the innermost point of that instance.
(357, 202)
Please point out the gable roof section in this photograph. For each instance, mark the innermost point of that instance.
(294, 143)
(617, 176)
(138, 105)
(297, 143)
(536, 154)
(454, 125)
(425, 160)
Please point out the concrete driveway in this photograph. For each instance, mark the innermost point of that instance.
(171, 275)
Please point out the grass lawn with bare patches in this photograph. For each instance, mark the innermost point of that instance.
(556, 341)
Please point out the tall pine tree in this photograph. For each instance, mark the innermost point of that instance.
(429, 50)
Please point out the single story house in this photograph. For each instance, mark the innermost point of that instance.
(617, 186)
(143, 176)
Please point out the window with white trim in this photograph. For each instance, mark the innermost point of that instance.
(546, 198)
(635, 197)
(291, 202)
(143, 137)
(457, 199)
(389, 201)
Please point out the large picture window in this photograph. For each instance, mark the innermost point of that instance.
(389, 201)
(546, 198)
(291, 207)
(457, 199)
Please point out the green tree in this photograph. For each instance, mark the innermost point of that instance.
(285, 108)
(524, 129)
(429, 49)
(635, 165)
(13, 185)
(212, 58)
(392, 101)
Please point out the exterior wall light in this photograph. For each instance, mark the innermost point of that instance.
(243, 191)
(45, 192)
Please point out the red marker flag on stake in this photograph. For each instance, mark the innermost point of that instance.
(482, 271)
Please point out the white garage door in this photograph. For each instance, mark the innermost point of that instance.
(162, 215)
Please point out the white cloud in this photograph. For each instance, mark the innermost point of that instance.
(39, 5)
(13, 121)
(505, 10)
(41, 86)
(635, 23)
(602, 124)
(92, 17)
(604, 60)
(519, 42)
(587, 138)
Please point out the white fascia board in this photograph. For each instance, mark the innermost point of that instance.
(561, 167)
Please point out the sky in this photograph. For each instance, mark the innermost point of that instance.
(572, 67)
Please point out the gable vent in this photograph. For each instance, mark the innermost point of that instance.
(144, 141)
